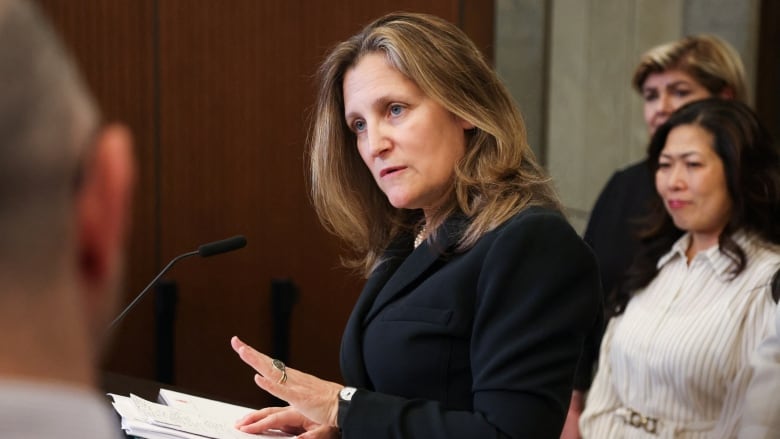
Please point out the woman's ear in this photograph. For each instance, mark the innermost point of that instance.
(727, 93)
(465, 124)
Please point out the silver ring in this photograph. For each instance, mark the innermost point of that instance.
(279, 365)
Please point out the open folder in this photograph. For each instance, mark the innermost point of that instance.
(182, 416)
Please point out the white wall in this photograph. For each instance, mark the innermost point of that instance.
(569, 63)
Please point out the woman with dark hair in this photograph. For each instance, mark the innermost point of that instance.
(667, 77)
(675, 357)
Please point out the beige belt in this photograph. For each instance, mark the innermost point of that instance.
(638, 420)
(657, 427)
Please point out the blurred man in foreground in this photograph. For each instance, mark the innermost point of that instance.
(65, 190)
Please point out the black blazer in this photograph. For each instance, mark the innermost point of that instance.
(612, 234)
(481, 344)
(617, 218)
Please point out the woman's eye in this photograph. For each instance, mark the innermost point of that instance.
(663, 165)
(358, 125)
(649, 96)
(693, 164)
(396, 109)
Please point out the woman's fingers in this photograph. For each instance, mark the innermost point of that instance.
(273, 370)
(258, 415)
(272, 375)
(259, 362)
(285, 419)
(314, 398)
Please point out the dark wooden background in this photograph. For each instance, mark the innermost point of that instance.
(768, 73)
(218, 94)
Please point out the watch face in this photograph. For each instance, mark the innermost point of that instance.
(346, 393)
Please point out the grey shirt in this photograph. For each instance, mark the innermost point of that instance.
(33, 410)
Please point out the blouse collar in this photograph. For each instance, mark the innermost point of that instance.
(719, 262)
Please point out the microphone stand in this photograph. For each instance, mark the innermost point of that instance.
(205, 250)
(154, 281)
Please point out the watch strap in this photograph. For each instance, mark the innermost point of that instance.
(345, 400)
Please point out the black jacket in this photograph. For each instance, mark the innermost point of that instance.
(481, 344)
(611, 233)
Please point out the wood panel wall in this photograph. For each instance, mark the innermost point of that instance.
(218, 95)
(768, 75)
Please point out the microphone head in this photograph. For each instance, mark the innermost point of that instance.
(225, 245)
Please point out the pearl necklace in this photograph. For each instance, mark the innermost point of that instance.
(420, 236)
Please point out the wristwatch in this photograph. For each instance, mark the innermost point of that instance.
(345, 397)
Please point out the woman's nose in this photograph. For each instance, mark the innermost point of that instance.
(676, 178)
(665, 105)
(378, 141)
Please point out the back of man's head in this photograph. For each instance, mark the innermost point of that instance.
(46, 120)
(64, 199)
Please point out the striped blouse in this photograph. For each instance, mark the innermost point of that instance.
(676, 363)
(762, 401)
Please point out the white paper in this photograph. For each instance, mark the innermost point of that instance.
(190, 417)
(217, 410)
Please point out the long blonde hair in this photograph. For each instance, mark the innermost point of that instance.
(497, 177)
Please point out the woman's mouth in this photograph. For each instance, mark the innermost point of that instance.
(390, 170)
(676, 204)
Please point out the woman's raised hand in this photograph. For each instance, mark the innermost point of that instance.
(313, 402)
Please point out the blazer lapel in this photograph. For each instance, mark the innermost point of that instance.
(352, 366)
(416, 264)
(398, 270)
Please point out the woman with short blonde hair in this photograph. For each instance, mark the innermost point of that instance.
(709, 60)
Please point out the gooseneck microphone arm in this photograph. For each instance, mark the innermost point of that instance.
(154, 281)
(205, 250)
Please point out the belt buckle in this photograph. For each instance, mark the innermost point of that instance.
(638, 420)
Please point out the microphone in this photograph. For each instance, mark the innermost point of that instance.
(204, 251)
(223, 246)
